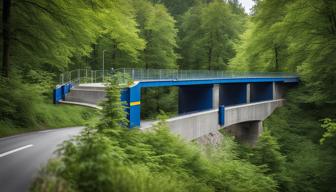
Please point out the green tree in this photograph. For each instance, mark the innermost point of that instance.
(208, 32)
(312, 31)
(43, 38)
(293, 36)
(330, 129)
(114, 116)
(298, 36)
(263, 46)
(177, 7)
(120, 42)
(48, 33)
(267, 152)
(158, 29)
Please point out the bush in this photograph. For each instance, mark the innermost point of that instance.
(18, 102)
(24, 108)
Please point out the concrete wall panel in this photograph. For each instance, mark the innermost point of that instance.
(86, 96)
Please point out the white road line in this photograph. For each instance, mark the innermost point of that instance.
(15, 150)
(46, 131)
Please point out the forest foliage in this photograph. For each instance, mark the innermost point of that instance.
(297, 36)
(41, 38)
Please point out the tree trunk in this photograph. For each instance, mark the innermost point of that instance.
(158, 100)
(94, 63)
(276, 68)
(209, 58)
(114, 55)
(332, 20)
(6, 37)
(210, 52)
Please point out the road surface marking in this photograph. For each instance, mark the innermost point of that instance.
(46, 131)
(15, 150)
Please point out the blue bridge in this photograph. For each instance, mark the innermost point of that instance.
(211, 99)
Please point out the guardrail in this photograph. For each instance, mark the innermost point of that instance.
(83, 76)
(138, 74)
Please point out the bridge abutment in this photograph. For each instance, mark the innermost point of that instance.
(247, 132)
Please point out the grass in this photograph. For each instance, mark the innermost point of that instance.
(51, 116)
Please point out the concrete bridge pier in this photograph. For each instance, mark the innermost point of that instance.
(215, 96)
(279, 90)
(247, 132)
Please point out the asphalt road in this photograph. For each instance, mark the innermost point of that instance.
(22, 156)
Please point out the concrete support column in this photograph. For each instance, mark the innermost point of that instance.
(248, 93)
(274, 94)
(215, 96)
(279, 90)
(247, 133)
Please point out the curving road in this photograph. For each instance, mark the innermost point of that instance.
(22, 156)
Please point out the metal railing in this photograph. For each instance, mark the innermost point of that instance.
(83, 76)
(138, 74)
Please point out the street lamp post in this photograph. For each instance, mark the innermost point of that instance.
(103, 64)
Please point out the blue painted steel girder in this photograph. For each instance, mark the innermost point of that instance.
(163, 83)
(204, 99)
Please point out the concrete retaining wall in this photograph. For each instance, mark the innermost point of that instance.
(90, 96)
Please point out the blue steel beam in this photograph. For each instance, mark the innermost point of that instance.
(263, 85)
(165, 83)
